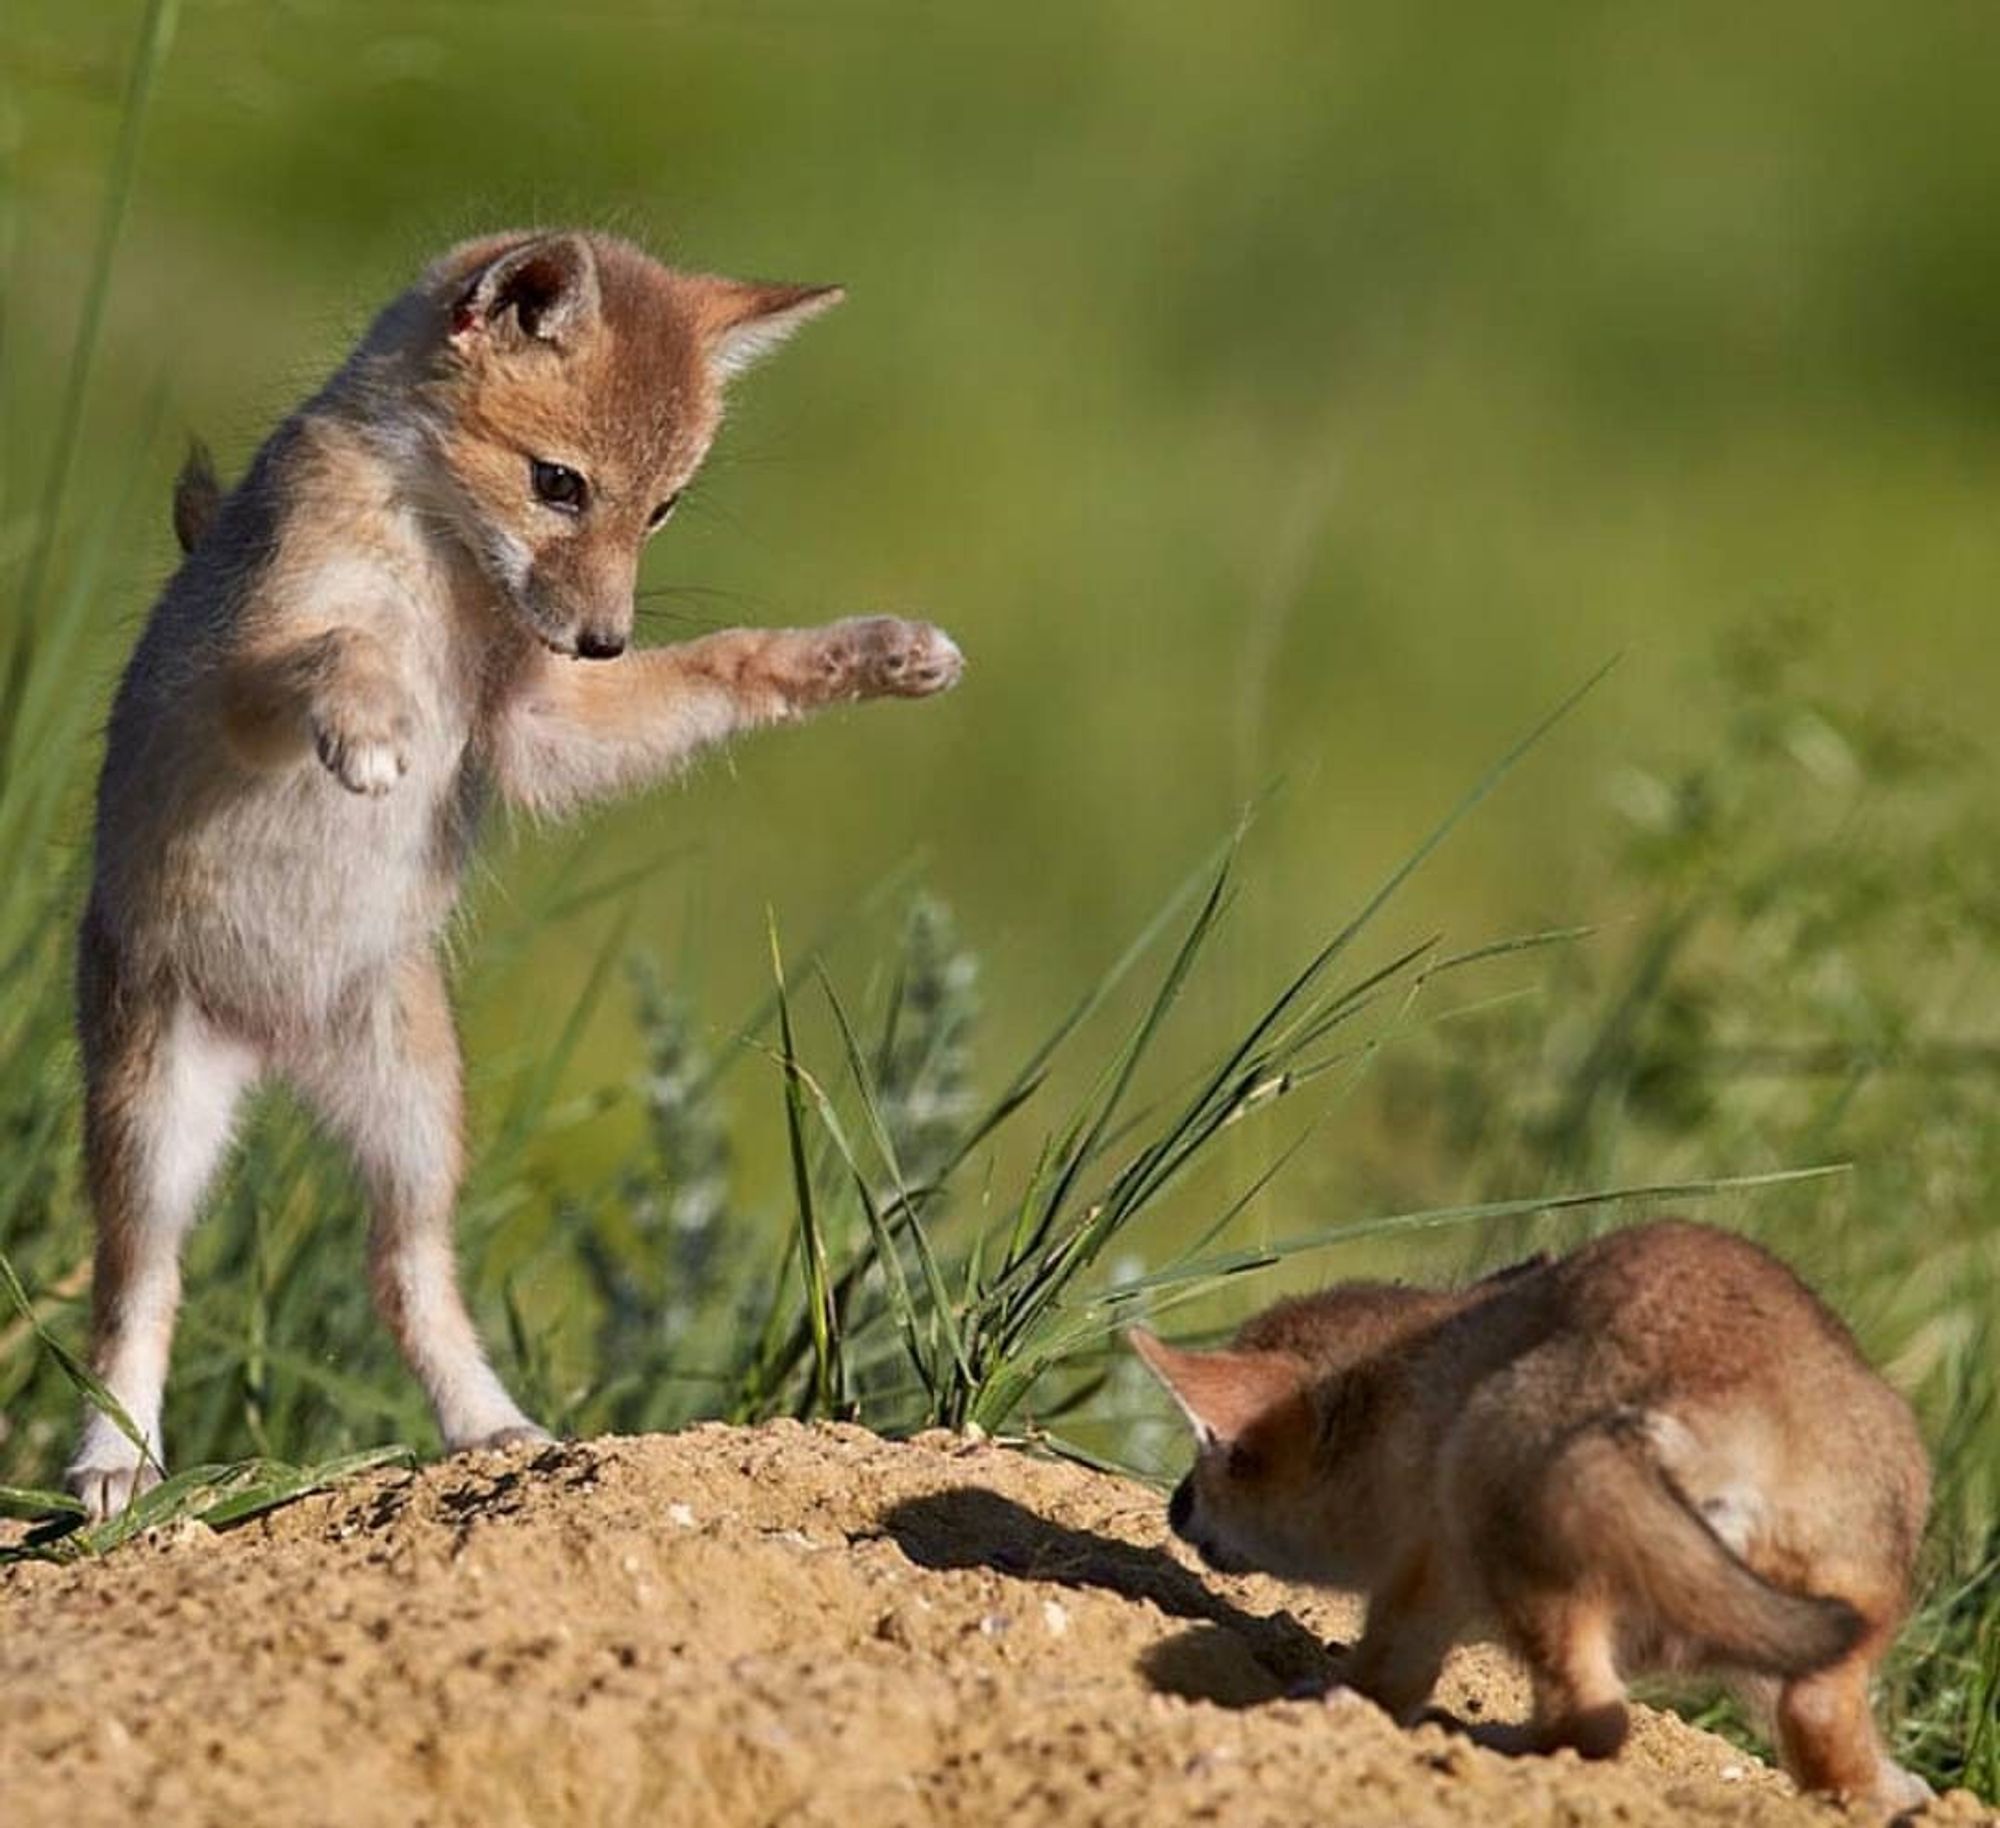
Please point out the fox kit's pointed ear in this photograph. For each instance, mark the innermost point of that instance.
(744, 320)
(1221, 1393)
(543, 291)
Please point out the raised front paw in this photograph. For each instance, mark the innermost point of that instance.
(886, 657)
(365, 742)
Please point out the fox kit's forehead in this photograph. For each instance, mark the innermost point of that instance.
(628, 394)
(650, 360)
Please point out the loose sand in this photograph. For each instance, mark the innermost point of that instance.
(745, 1626)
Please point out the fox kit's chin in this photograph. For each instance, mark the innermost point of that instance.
(383, 626)
(1660, 1451)
(561, 645)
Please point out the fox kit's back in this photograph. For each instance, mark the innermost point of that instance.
(1663, 1450)
(418, 598)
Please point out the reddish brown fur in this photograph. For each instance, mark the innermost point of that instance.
(1660, 1450)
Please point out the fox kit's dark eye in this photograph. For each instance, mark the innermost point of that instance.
(558, 486)
(659, 516)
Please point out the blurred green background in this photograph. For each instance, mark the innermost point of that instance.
(1295, 392)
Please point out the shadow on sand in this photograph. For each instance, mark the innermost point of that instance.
(1231, 1657)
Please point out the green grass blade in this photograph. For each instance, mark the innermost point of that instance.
(1029, 1077)
(942, 1311)
(155, 35)
(1437, 1217)
(27, 1501)
(82, 1379)
(280, 1484)
(823, 1316)
(1046, 1271)
(896, 1283)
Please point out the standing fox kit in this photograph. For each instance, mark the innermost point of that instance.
(1660, 1451)
(419, 596)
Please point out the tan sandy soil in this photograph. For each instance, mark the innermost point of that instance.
(748, 1626)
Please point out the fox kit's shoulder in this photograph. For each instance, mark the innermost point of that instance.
(1661, 1446)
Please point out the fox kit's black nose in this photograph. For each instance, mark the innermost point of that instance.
(1180, 1506)
(590, 645)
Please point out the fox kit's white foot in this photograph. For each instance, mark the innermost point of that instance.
(517, 1434)
(1898, 1791)
(108, 1471)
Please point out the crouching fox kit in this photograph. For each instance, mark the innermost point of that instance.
(1660, 1451)
(419, 596)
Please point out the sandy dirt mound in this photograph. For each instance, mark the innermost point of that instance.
(780, 1624)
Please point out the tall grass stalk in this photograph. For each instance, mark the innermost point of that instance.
(155, 35)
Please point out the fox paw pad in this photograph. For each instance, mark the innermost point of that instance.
(887, 657)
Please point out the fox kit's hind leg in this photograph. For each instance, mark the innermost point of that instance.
(1569, 1643)
(1827, 1738)
(385, 1080)
(162, 1086)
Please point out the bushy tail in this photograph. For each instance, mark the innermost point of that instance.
(1698, 1588)
(197, 496)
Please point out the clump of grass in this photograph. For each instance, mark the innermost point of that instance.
(905, 1305)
